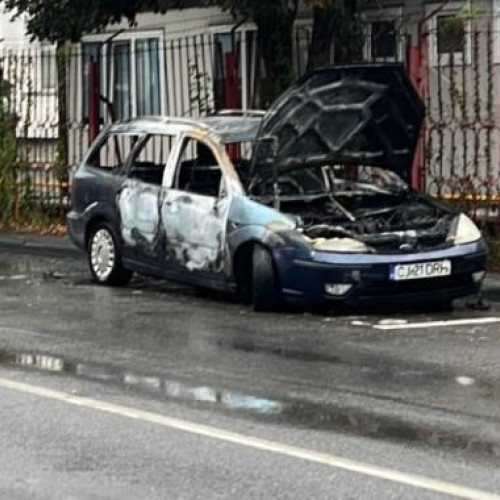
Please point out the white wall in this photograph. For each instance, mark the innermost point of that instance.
(175, 23)
(12, 33)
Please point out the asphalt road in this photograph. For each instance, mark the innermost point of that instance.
(159, 391)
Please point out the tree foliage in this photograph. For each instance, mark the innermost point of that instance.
(8, 155)
(68, 20)
(274, 20)
(334, 23)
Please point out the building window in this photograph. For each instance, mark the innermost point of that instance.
(235, 68)
(496, 31)
(450, 35)
(147, 63)
(122, 85)
(48, 68)
(383, 40)
(384, 35)
(227, 84)
(130, 76)
(301, 44)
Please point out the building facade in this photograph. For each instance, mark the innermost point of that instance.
(196, 60)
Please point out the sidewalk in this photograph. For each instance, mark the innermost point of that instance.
(38, 243)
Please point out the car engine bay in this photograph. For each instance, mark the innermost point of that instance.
(390, 219)
(382, 224)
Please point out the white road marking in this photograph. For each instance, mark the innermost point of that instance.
(333, 461)
(15, 277)
(434, 324)
(466, 381)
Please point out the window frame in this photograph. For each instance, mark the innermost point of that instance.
(301, 49)
(108, 70)
(390, 14)
(247, 77)
(47, 61)
(462, 58)
(102, 140)
(496, 31)
(185, 139)
(139, 148)
(249, 52)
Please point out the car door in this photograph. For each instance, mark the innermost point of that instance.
(140, 199)
(195, 208)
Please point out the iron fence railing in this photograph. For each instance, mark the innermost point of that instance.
(45, 102)
(462, 134)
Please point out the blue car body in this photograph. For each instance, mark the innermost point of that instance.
(312, 193)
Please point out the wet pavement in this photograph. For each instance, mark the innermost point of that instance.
(425, 381)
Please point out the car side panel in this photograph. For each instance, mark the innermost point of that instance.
(138, 205)
(94, 197)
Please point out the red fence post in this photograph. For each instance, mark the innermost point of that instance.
(231, 100)
(94, 100)
(416, 73)
(230, 82)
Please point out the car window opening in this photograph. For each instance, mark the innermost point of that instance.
(151, 158)
(113, 151)
(198, 170)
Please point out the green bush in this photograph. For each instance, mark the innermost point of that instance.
(9, 163)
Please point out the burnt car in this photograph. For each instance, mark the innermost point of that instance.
(309, 201)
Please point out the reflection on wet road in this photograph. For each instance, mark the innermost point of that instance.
(304, 414)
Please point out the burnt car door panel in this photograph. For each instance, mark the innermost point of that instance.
(194, 228)
(138, 205)
(179, 229)
(194, 211)
(139, 200)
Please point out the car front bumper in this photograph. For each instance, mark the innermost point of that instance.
(369, 274)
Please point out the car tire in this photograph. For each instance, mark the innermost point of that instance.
(104, 257)
(266, 294)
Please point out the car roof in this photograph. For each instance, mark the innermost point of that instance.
(230, 126)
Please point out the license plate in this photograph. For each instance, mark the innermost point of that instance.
(421, 270)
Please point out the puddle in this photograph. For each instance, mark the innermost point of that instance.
(171, 389)
(297, 413)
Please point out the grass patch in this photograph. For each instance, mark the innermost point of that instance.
(37, 224)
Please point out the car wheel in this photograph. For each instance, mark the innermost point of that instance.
(105, 257)
(266, 295)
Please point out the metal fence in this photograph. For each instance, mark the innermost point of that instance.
(461, 140)
(459, 156)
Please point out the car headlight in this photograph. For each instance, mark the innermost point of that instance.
(277, 226)
(340, 245)
(464, 231)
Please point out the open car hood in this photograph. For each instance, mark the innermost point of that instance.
(353, 115)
